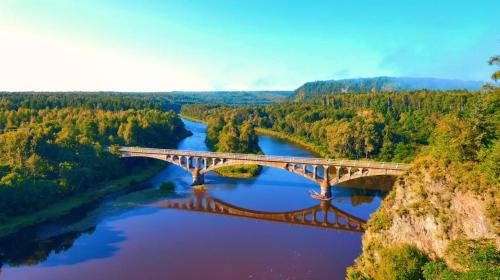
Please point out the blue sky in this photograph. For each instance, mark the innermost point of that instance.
(239, 45)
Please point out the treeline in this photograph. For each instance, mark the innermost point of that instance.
(53, 153)
(227, 129)
(316, 89)
(107, 102)
(452, 139)
(383, 126)
(458, 171)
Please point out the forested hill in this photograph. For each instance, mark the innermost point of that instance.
(379, 84)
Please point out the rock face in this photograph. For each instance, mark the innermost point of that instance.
(316, 89)
(429, 207)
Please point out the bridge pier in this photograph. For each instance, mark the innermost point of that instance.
(198, 178)
(199, 163)
(326, 189)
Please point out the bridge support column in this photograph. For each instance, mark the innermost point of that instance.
(205, 162)
(188, 162)
(198, 178)
(326, 189)
(315, 171)
(337, 174)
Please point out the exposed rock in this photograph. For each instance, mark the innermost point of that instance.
(429, 207)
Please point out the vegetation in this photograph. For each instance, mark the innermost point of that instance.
(167, 186)
(317, 89)
(239, 171)
(49, 153)
(227, 131)
(385, 126)
(448, 201)
(450, 196)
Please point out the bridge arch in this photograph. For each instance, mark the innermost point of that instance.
(323, 215)
(199, 163)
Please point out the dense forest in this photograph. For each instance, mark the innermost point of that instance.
(384, 126)
(138, 100)
(441, 220)
(316, 89)
(55, 146)
(227, 131)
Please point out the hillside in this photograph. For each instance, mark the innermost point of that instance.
(379, 84)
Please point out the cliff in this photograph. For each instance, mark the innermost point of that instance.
(431, 208)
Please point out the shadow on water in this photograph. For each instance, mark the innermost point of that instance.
(45, 243)
(261, 227)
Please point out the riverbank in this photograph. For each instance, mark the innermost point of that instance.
(192, 118)
(68, 204)
(317, 151)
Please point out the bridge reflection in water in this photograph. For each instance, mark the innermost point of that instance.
(324, 215)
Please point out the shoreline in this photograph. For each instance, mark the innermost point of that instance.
(189, 118)
(265, 131)
(295, 140)
(66, 205)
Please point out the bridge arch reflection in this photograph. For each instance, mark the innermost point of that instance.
(323, 215)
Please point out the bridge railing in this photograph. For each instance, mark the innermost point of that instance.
(283, 159)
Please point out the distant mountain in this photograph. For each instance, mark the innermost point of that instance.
(379, 84)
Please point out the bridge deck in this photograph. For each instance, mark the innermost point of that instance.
(269, 158)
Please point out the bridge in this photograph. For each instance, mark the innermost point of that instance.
(325, 172)
(323, 215)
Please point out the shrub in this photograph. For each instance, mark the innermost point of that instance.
(167, 186)
(401, 262)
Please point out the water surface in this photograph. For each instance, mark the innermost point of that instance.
(135, 237)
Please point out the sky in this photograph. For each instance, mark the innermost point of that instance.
(189, 45)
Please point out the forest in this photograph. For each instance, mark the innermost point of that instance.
(53, 147)
(317, 89)
(452, 139)
(384, 126)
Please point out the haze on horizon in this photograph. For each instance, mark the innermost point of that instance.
(126, 45)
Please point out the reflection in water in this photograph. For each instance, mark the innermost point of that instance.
(24, 249)
(323, 215)
(40, 244)
(130, 237)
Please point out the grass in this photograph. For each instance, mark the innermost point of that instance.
(239, 171)
(65, 206)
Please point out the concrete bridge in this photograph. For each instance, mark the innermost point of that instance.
(323, 215)
(325, 172)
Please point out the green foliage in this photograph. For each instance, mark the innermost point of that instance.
(228, 129)
(465, 254)
(375, 85)
(403, 262)
(167, 186)
(239, 171)
(380, 220)
(56, 152)
(384, 126)
(473, 259)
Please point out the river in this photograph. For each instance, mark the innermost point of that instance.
(134, 236)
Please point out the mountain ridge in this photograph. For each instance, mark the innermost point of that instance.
(315, 89)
